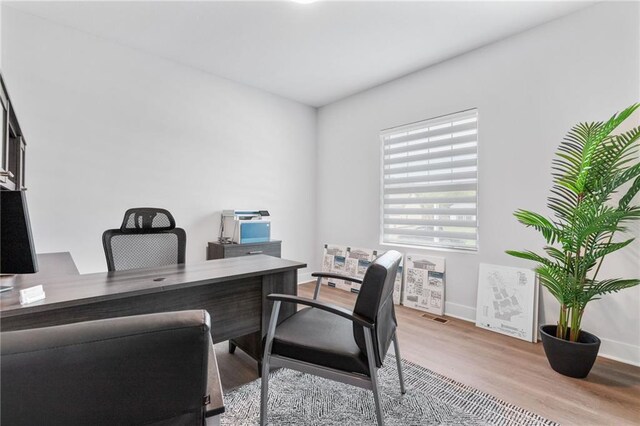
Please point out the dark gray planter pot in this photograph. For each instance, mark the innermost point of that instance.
(573, 359)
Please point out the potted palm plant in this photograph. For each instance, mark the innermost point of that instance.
(591, 166)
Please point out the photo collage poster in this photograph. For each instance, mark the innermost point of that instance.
(353, 262)
(424, 283)
(508, 301)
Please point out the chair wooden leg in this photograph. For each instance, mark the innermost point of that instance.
(232, 347)
(399, 362)
(373, 370)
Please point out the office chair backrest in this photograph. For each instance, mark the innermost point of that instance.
(146, 218)
(375, 302)
(148, 237)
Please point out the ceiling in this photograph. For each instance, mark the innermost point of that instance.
(312, 53)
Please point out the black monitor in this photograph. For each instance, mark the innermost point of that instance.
(17, 253)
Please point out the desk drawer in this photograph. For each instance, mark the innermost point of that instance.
(219, 251)
(237, 250)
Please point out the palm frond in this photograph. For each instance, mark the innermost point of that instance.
(631, 192)
(561, 205)
(617, 151)
(602, 250)
(529, 255)
(618, 119)
(558, 255)
(557, 281)
(587, 146)
(550, 232)
(600, 288)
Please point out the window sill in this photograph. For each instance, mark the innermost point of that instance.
(429, 248)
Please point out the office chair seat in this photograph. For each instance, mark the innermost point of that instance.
(319, 337)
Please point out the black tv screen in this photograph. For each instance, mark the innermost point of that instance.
(17, 253)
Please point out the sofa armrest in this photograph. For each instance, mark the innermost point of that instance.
(214, 388)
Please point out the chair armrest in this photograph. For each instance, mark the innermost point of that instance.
(337, 310)
(336, 276)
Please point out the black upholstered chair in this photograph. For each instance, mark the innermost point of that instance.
(147, 369)
(333, 342)
(148, 237)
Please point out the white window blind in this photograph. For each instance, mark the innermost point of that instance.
(430, 183)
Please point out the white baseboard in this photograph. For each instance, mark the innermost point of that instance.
(612, 349)
(305, 277)
(463, 312)
(620, 351)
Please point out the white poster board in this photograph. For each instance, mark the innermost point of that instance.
(333, 260)
(424, 283)
(397, 285)
(356, 263)
(508, 301)
(353, 262)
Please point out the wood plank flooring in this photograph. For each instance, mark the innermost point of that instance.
(507, 368)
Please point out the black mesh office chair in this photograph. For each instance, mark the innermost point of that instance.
(148, 237)
(334, 343)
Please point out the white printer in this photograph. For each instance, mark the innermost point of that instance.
(245, 226)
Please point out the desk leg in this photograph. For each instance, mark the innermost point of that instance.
(284, 283)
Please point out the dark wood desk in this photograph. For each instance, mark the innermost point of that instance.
(233, 291)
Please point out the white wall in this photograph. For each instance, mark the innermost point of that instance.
(1, 35)
(109, 128)
(529, 90)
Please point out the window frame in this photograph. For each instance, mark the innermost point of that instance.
(381, 232)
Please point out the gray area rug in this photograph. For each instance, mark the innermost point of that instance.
(431, 399)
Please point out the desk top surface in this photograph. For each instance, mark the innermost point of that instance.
(72, 290)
